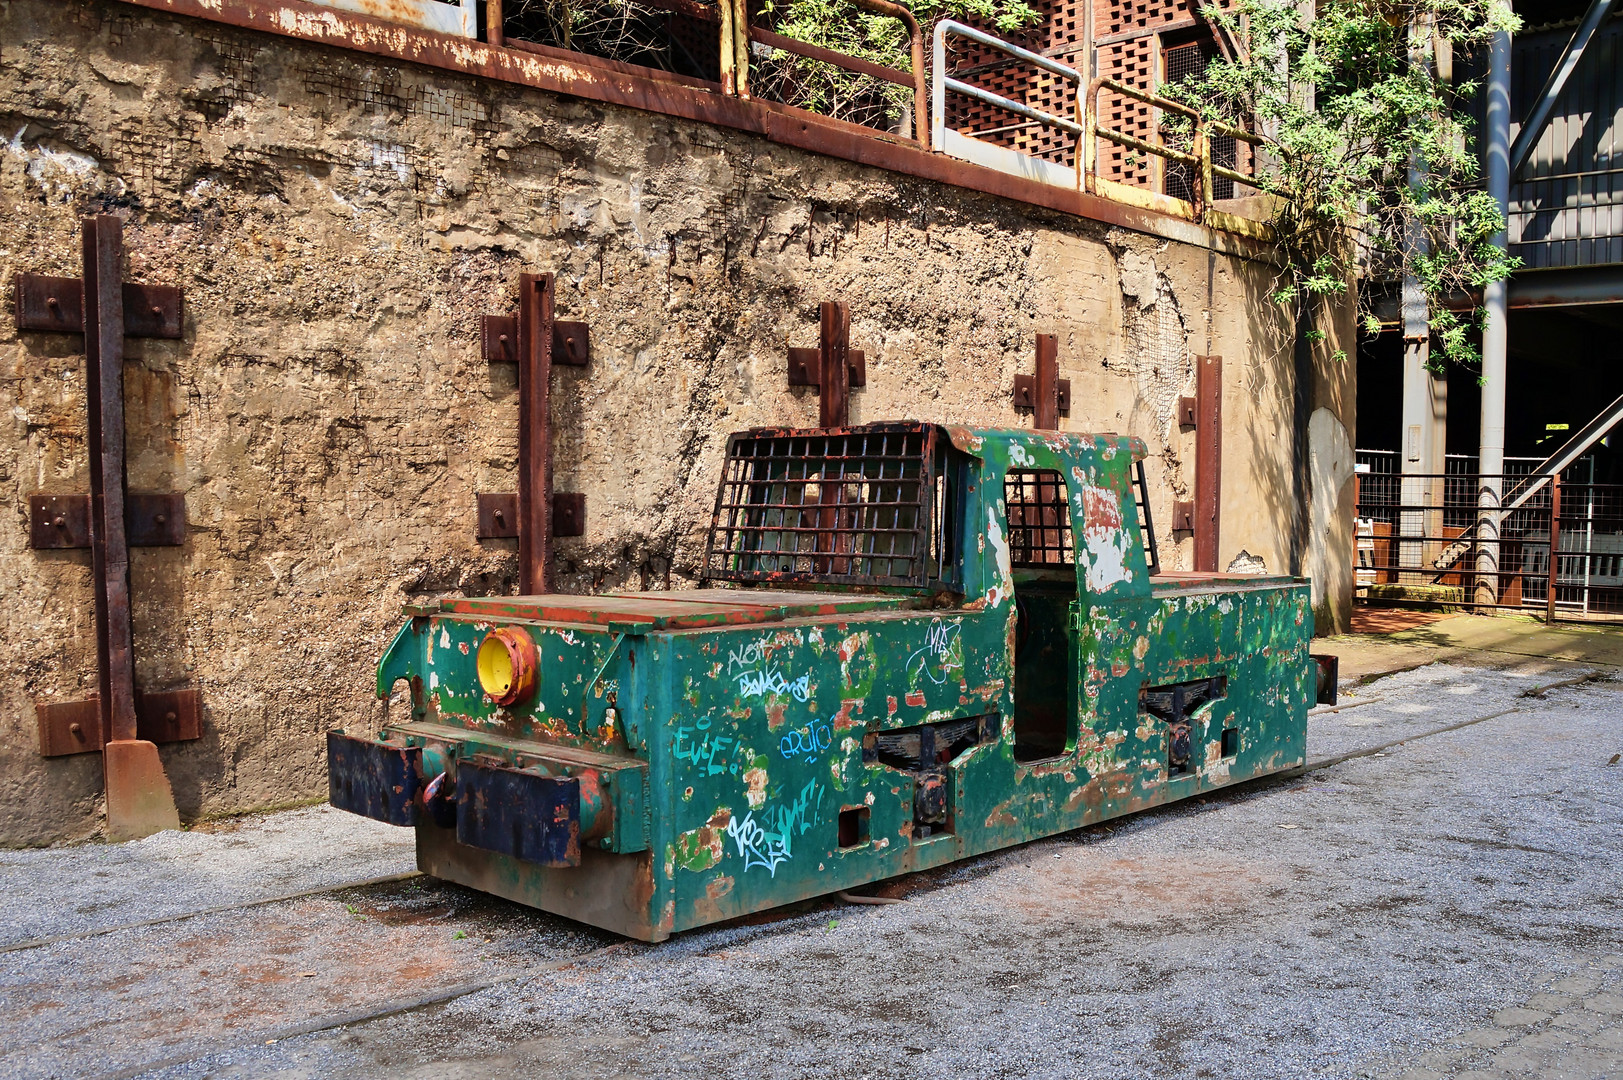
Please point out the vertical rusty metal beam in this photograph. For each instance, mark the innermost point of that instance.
(1208, 459)
(495, 23)
(110, 555)
(535, 433)
(834, 389)
(1555, 545)
(1046, 405)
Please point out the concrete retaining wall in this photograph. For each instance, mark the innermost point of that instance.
(340, 222)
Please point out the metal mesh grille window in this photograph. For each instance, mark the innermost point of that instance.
(845, 506)
(1188, 61)
(1039, 515)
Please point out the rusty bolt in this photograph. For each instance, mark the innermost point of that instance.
(169, 717)
(159, 518)
(502, 338)
(158, 311)
(60, 522)
(500, 516)
(77, 731)
(51, 302)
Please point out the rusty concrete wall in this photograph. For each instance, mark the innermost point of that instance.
(339, 223)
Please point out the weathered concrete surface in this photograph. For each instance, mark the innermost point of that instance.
(1421, 907)
(339, 224)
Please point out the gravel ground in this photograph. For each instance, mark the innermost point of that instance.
(93, 886)
(1341, 924)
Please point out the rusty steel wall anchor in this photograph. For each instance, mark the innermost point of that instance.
(119, 721)
(535, 341)
(1046, 394)
(821, 367)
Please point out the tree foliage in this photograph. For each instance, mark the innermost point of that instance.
(1346, 101)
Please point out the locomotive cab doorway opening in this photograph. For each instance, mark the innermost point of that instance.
(1042, 561)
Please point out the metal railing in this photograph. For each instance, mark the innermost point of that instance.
(1082, 125)
(962, 146)
(1416, 546)
(1199, 155)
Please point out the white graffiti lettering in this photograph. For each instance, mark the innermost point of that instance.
(750, 656)
(773, 844)
(771, 681)
(935, 659)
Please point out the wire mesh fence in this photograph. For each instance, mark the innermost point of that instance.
(1423, 540)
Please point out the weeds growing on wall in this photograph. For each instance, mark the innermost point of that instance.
(1346, 102)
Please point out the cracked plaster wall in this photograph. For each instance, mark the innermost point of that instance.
(339, 223)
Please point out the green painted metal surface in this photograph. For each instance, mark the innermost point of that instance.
(750, 747)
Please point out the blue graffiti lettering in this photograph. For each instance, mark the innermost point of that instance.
(808, 741)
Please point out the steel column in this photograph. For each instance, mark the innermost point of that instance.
(535, 433)
(1491, 448)
(1555, 546)
(1425, 396)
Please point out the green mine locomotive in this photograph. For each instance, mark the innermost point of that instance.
(914, 643)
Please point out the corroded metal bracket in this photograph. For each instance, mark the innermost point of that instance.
(151, 519)
(74, 727)
(833, 367)
(1045, 393)
(806, 367)
(534, 341)
(498, 341)
(57, 305)
(498, 515)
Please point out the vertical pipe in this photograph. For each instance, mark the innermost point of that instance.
(938, 87)
(1491, 448)
(104, 385)
(741, 46)
(534, 433)
(729, 82)
(1046, 406)
(1555, 545)
(495, 23)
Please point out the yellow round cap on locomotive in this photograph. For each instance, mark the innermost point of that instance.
(507, 664)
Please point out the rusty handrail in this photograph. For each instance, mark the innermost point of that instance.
(915, 79)
(915, 37)
(1199, 155)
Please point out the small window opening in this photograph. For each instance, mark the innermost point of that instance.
(1042, 552)
(1231, 742)
(853, 826)
(1183, 61)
